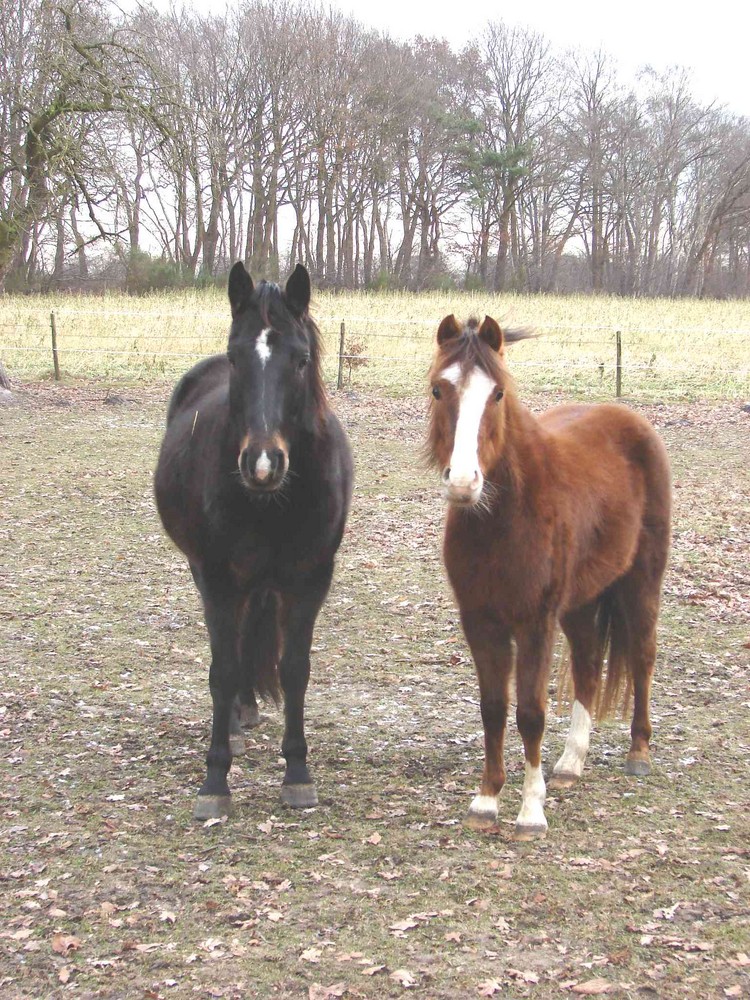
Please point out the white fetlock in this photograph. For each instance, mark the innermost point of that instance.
(577, 744)
(531, 817)
(484, 807)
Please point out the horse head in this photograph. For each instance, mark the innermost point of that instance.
(275, 388)
(468, 412)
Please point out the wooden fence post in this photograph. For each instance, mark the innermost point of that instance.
(55, 358)
(618, 366)
(340, 382)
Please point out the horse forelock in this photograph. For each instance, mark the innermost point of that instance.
(468, 352)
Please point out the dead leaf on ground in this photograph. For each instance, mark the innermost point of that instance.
(404, 978)
(404, 925)
(372, 970)
(489, 988)
(593, 987)
(525, 977)
(63, 943)
(318, 992)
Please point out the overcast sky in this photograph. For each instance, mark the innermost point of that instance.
(712, 39)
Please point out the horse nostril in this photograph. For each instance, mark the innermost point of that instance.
(475, 480)
(447, 475)
(277, 457)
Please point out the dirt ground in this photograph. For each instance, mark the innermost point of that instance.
(110, 889)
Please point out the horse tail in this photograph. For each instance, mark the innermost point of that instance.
(614, 643)
(260, 645)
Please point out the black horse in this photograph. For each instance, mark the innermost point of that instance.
(253, 484)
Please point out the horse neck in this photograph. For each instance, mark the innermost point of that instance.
(518, 451)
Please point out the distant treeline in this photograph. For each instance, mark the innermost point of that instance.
(152, 149)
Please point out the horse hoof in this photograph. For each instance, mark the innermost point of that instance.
(249, 716)
(638, 767)
(299, 796)
(212, 806)
(562, 780)
(480, 821)
(236, 744)
(527, 833)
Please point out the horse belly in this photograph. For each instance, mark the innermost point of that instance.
(610, 559)
(607, 542)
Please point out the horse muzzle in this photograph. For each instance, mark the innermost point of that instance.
(462, 490)
(263, 465)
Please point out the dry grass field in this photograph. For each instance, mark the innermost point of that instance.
(671, 349)
(109, 889)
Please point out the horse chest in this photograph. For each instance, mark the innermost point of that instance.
(500, 565)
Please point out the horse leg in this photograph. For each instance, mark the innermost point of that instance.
(245, 713)
(236, 735)
(220, 602)
(299, 610)
(493, 657)
(248, 711)
(533, 654)
(639, 601)
(580, 630)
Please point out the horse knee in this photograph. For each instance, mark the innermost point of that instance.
(530, 721)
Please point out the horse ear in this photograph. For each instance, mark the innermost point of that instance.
(448, 329)
(240, 288)
(298, 290)
(491, 334)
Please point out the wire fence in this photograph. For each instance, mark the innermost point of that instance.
(360, 349)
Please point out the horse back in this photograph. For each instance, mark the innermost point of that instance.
(613, 444)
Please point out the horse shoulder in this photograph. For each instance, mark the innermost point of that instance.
(197, 383)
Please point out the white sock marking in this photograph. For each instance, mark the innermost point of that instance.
(484, 805)
(534, 794)
(464, 464)
(263, 347)
(577, 743)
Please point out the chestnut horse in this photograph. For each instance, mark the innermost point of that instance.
(562, 518)
(253, 484)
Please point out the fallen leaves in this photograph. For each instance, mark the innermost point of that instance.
(404, 978)
(64, 943)
(593, 987)
(489, 987)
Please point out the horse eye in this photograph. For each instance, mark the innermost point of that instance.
(303, 363)
(499, 395)
(436, 392)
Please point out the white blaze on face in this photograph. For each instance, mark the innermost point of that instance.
(263, 347)
(577, 743)
(472, 399)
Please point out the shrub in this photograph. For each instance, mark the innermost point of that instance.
(150, 274)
